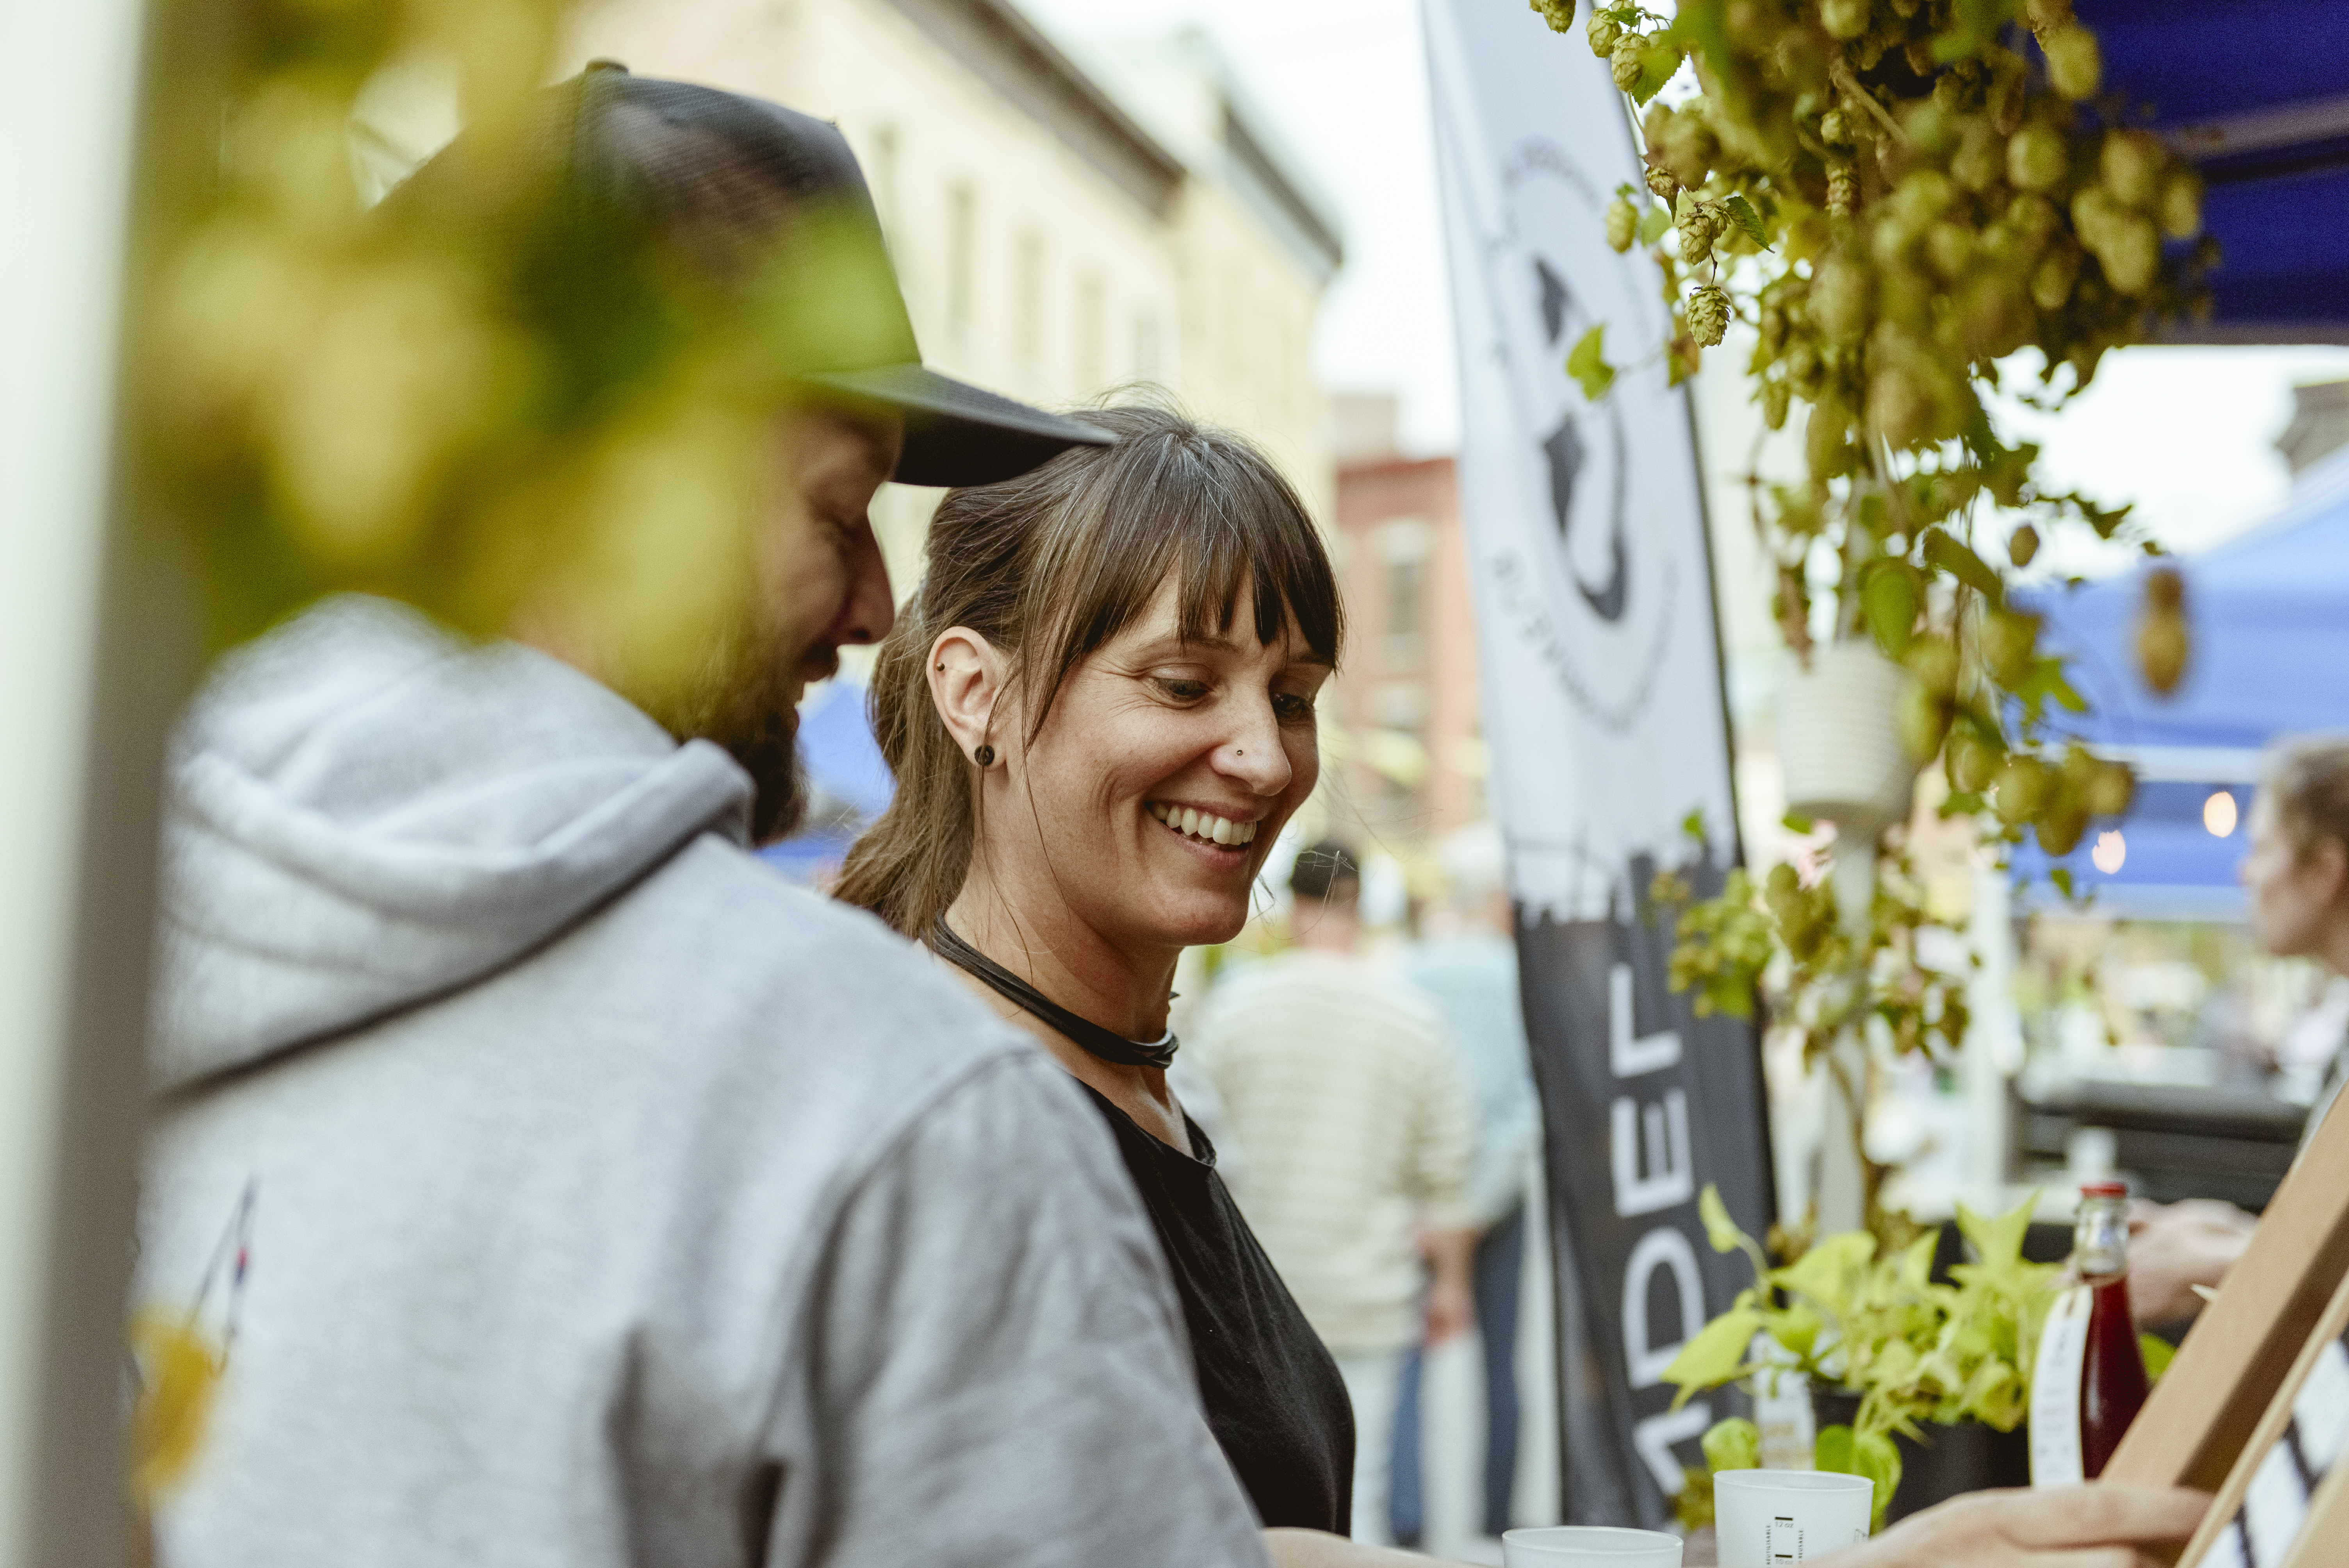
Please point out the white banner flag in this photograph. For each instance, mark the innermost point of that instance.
(1587, 518)
(1603, 706)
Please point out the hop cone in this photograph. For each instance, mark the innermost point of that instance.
(1708, 315)
(1843, 190)
(1622, 223)
(1698, 225)
(2074, 65)
(1628, 66)
(1604, 32)
(1558, 13)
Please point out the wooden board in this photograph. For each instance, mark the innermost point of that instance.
(2321, 1539)
(2204, 1410)
(2263, 1514)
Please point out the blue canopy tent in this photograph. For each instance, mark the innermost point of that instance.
(849, 784)
(2257, 93)
(2268, 614)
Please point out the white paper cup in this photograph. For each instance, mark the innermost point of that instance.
(1589, 1546)
(1766, 1517)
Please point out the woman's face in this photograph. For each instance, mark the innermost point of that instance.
(1165, 771)
(2293, 896)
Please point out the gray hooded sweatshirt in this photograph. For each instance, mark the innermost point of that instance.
(570, 1190)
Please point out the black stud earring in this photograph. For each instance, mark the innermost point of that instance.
(984, 757)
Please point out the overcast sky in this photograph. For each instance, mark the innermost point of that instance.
(2188, 434)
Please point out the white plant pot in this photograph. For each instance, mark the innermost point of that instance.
(1839, 739)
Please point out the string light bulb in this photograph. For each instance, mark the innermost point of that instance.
(2218, 814)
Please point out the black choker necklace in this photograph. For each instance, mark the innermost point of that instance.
(1107, 1044)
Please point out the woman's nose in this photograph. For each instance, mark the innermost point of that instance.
(1253, 755)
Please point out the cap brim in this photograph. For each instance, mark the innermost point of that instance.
(957, 434)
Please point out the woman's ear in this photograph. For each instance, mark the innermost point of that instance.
(966, 676)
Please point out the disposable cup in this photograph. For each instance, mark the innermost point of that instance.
(1766, 1517)
(1589, 1546)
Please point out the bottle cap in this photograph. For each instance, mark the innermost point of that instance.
(2104, 1189)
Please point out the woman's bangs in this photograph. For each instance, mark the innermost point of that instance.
(1218, 518)
(1252, 533)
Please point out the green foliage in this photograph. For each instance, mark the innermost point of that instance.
(1587, 364)
(481, 394)
(1733, 1444)
(1897, 197)
(1785, 939)
(1742, 211)
(1848, 1312)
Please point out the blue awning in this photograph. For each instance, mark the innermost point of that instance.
(2257, 93)
(849, 781)
(2268, 616)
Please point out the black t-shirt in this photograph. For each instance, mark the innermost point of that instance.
(1273, 1396)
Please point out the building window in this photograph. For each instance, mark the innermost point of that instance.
(1405, 544)
(1148, 363)
(1406, 591)
(1092, 333)
(1027, 300)
(962, 245)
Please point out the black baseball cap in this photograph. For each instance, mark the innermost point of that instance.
(667, 152)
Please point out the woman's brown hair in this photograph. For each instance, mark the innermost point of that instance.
(1047, 568)
(2310, 786)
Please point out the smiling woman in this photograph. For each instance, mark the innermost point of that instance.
(1099, 707)
(1150, 545)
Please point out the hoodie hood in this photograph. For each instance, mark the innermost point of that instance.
(367, 811)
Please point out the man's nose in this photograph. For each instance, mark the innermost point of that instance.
(870, 609)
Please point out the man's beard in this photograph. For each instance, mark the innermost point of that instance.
(743, 701)
(760, 739)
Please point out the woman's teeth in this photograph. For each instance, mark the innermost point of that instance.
(1200, 825)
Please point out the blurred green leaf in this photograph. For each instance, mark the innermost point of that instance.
(1951, 554)
(1587, 364)
(1732, 1443)
(1891, 595)
(1719, 1228)
(1747, 219)
(1715, 1355)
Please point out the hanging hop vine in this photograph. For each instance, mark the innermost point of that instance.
(1895, 197)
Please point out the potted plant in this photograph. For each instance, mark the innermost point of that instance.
(1872, 1324)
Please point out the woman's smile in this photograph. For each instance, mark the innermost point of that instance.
(1225, 837)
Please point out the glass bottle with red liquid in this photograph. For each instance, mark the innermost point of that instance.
(2088, 1380)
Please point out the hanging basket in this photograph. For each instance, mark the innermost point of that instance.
(1839, 739)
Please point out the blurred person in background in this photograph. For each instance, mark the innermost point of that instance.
(1471, 975)
(548, 1180)
(1099, 711)
(2296, 883)
(1341, 1089)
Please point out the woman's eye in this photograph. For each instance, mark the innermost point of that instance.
(1290, 705)
(1182, 689)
